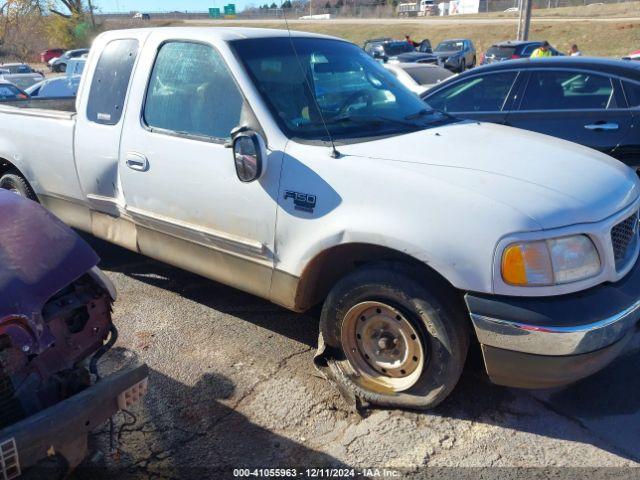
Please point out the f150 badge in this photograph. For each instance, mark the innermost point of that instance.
(304, 202)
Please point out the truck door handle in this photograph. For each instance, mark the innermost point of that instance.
(137, 161)
(602, 126)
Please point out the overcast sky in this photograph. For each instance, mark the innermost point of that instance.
(167, 5)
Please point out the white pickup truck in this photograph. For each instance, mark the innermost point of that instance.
(295, 167)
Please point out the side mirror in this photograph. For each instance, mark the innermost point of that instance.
(249, 154)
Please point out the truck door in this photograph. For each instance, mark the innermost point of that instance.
(178, 177)
(99, 123)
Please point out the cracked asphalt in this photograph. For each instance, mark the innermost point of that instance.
(232, 385)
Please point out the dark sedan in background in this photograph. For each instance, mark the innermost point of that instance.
(513, 50)
(386, 49)
(8, 91)
(594, 102)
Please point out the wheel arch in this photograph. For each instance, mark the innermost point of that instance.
(326, 268)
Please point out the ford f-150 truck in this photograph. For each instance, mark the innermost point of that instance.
(294, 167)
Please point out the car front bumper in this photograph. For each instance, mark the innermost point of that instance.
(62, 429)
(541, 342)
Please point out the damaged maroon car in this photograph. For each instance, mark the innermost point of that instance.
(55, 323)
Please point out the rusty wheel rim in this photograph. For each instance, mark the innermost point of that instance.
(382, 346)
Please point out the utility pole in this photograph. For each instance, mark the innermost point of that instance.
(520, 17)
(524, 22)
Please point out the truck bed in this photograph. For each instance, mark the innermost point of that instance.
(41, 131)
(56, 104)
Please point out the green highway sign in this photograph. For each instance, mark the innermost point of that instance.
(230, 10)
(215, 13)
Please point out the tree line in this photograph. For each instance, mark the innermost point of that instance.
(29, 26)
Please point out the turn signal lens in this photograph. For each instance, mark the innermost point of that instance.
(550, 262)
(527, 264)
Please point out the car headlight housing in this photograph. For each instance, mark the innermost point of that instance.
(550, 262)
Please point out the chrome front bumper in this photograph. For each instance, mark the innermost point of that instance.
(538, 342)
(554, 340)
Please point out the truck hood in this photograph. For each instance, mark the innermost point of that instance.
(39, 256)
(554, 182)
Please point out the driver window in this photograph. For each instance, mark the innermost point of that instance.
(191, 91)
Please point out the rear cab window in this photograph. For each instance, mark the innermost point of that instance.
(111, 81)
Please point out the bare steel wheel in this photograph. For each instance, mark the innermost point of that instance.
(393, 335)
(380, 343)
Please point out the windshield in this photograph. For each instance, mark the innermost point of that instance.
(450, 46)
(331, 80)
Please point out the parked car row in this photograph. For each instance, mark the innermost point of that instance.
(34, 84)
(60, 63)
(456, 55)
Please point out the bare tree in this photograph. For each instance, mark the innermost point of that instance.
(21, 27)
(74, 8)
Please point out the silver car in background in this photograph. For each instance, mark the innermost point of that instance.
(58, 87)
(418, 77)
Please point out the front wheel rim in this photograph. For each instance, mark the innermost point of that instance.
(383, 346)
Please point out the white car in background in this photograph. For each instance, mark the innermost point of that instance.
(418, 77)
(58, 87)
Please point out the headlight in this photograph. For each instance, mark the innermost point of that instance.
(550, 262)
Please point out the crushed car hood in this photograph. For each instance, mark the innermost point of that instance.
(552, 181)
(39, 255)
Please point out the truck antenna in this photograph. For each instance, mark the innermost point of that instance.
(334, 151)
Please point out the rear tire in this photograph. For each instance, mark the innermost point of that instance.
(15, 183)
(394, 338)
(463, 65)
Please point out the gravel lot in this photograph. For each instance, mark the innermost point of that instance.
(233, 385)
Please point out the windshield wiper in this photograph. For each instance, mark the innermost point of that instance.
(426, 111)
(377, 119)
